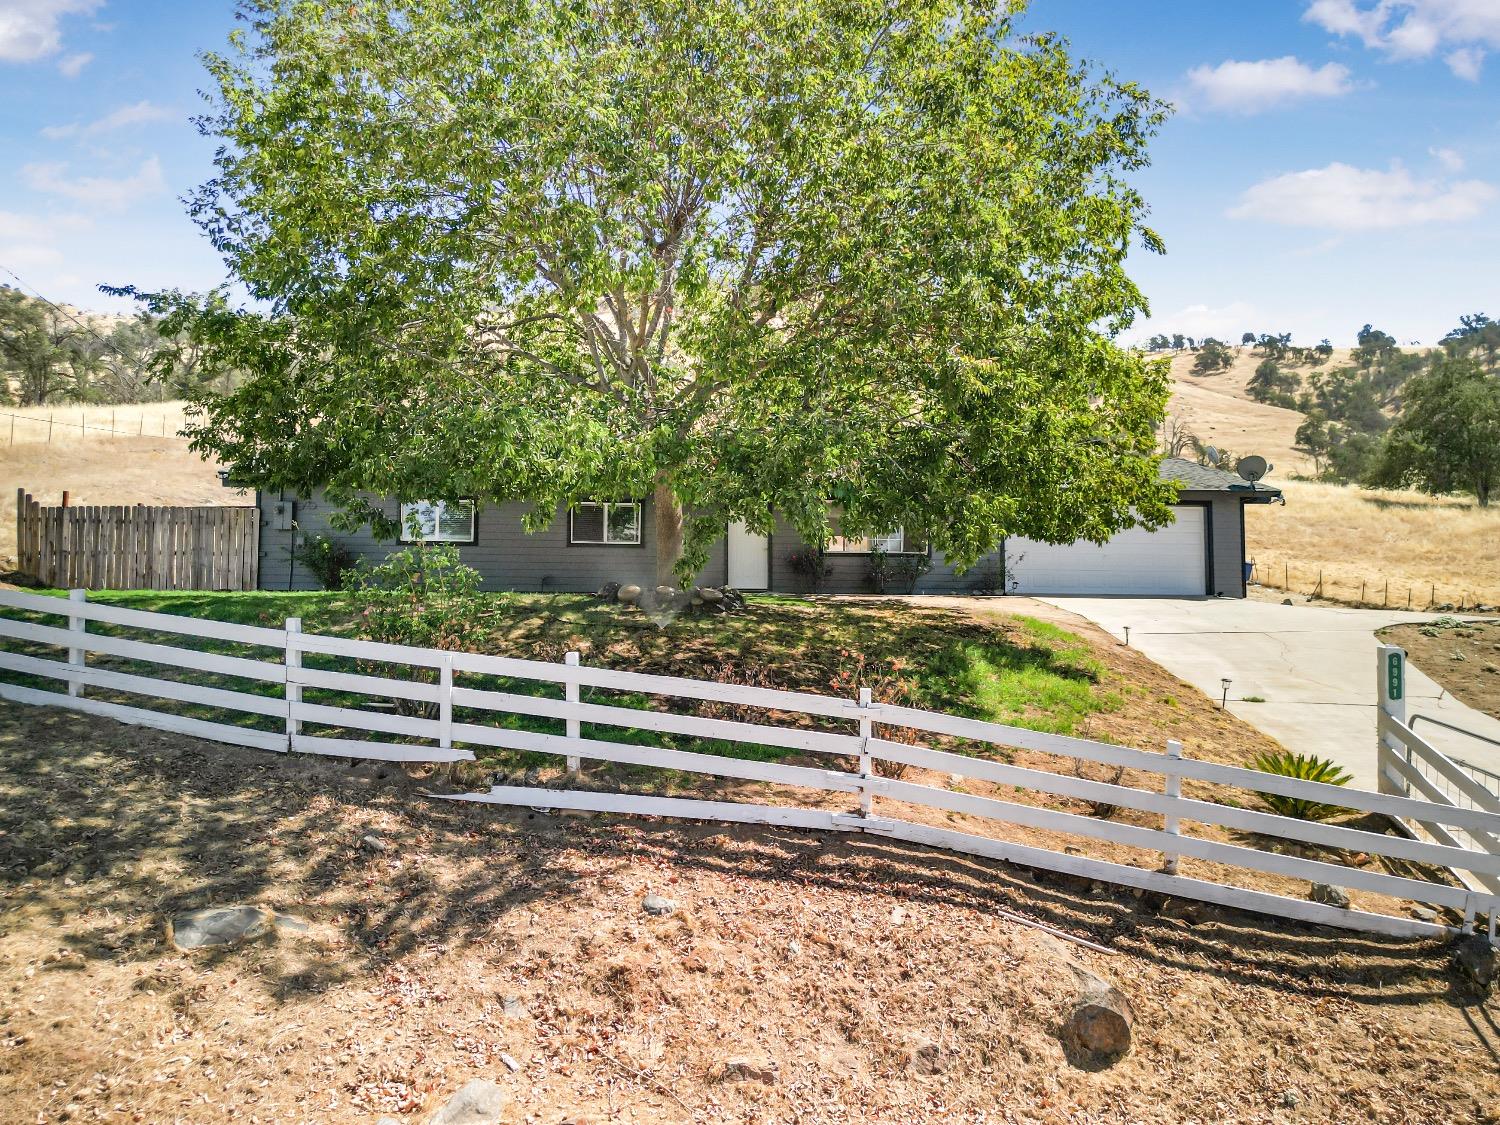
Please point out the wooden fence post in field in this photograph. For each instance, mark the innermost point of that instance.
(293, 660)
(866, 765)
(573, 726)
(77, 657)
(1171, 823)
(445, 702)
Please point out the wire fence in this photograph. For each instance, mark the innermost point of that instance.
(79, 424)
(1325, 583)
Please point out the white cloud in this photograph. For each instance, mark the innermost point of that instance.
(1449, 158)
(114, 194)
(1248, 87)
(1416, 29)
(29, 28)
(126, 115)
(71, 66)
(1466, 62)
(1342, 197)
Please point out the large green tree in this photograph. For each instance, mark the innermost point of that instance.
(740, 257)
(1447, 438)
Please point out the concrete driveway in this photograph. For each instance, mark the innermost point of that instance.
(1314, 666)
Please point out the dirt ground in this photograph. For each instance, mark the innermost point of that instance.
(804, 977)
(1462, 656)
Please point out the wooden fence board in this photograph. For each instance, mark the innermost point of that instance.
(114, 547)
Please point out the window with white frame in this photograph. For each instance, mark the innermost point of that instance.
(896, 542)
(607, 523)
(437, 521)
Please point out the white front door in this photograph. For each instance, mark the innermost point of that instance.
(749, 558)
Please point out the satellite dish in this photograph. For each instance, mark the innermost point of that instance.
(1212, 453)
(1252, 468)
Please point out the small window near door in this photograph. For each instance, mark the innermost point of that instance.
(606, 524)
(896, 542)
(438, 521)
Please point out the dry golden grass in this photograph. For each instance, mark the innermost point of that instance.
(98, 467)
(1437, 549)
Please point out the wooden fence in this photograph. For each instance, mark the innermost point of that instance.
(454, 701)
(138, 547)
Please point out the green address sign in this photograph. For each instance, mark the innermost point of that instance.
(1395, 688)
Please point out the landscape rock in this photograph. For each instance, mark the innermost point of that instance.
(512, 1007)
(1330, 895)
(1477, 962)
(629, 594)
(711, 595)
(479, 1102)
(745, 1068)
(658, 906)
(374, 844)
(219, 925)
(1424, 913)
(610, 591)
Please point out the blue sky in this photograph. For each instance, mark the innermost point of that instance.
(1331, 162)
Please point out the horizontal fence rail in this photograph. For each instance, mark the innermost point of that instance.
(121, 547)
(286, 690)
(1409, 765)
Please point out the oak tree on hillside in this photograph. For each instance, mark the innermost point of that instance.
(739, 258)
(1448, 436)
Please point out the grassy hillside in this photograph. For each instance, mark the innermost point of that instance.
(1434, 548)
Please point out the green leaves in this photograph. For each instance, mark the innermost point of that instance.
(755, 253)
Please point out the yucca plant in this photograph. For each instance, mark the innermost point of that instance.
(1305, 767)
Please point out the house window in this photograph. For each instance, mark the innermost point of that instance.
(615, 525)
(896, 542)
(437, 521)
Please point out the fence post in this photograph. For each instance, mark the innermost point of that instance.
(293, 659)
(570, 693)
(77, 657)
(1390, 694)
(445, 702)
(866, 765)
(1171, 823)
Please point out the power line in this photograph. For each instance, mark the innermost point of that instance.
(89, 328)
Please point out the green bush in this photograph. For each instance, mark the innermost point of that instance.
(898, 572)
(811, 566)
(327, 559)
(1305, 767)
(421, 595)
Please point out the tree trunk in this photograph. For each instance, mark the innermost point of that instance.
(668, 533)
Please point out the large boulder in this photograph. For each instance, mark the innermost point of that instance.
(629, 593)
(1477, 962)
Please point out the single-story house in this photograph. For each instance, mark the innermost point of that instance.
(1200, 554)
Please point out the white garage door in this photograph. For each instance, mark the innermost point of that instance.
(1171, 561)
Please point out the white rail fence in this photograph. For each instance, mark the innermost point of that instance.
(1409, 764)
(465, 700)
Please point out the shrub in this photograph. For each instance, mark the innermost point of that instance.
(1305, 767)
(896, 572)
(421, 595)
(327, 559)
(811, 566)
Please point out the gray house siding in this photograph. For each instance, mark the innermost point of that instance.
(506, 556)
(510, 559)
(849, 573)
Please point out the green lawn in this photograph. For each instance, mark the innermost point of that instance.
(1015, 670)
